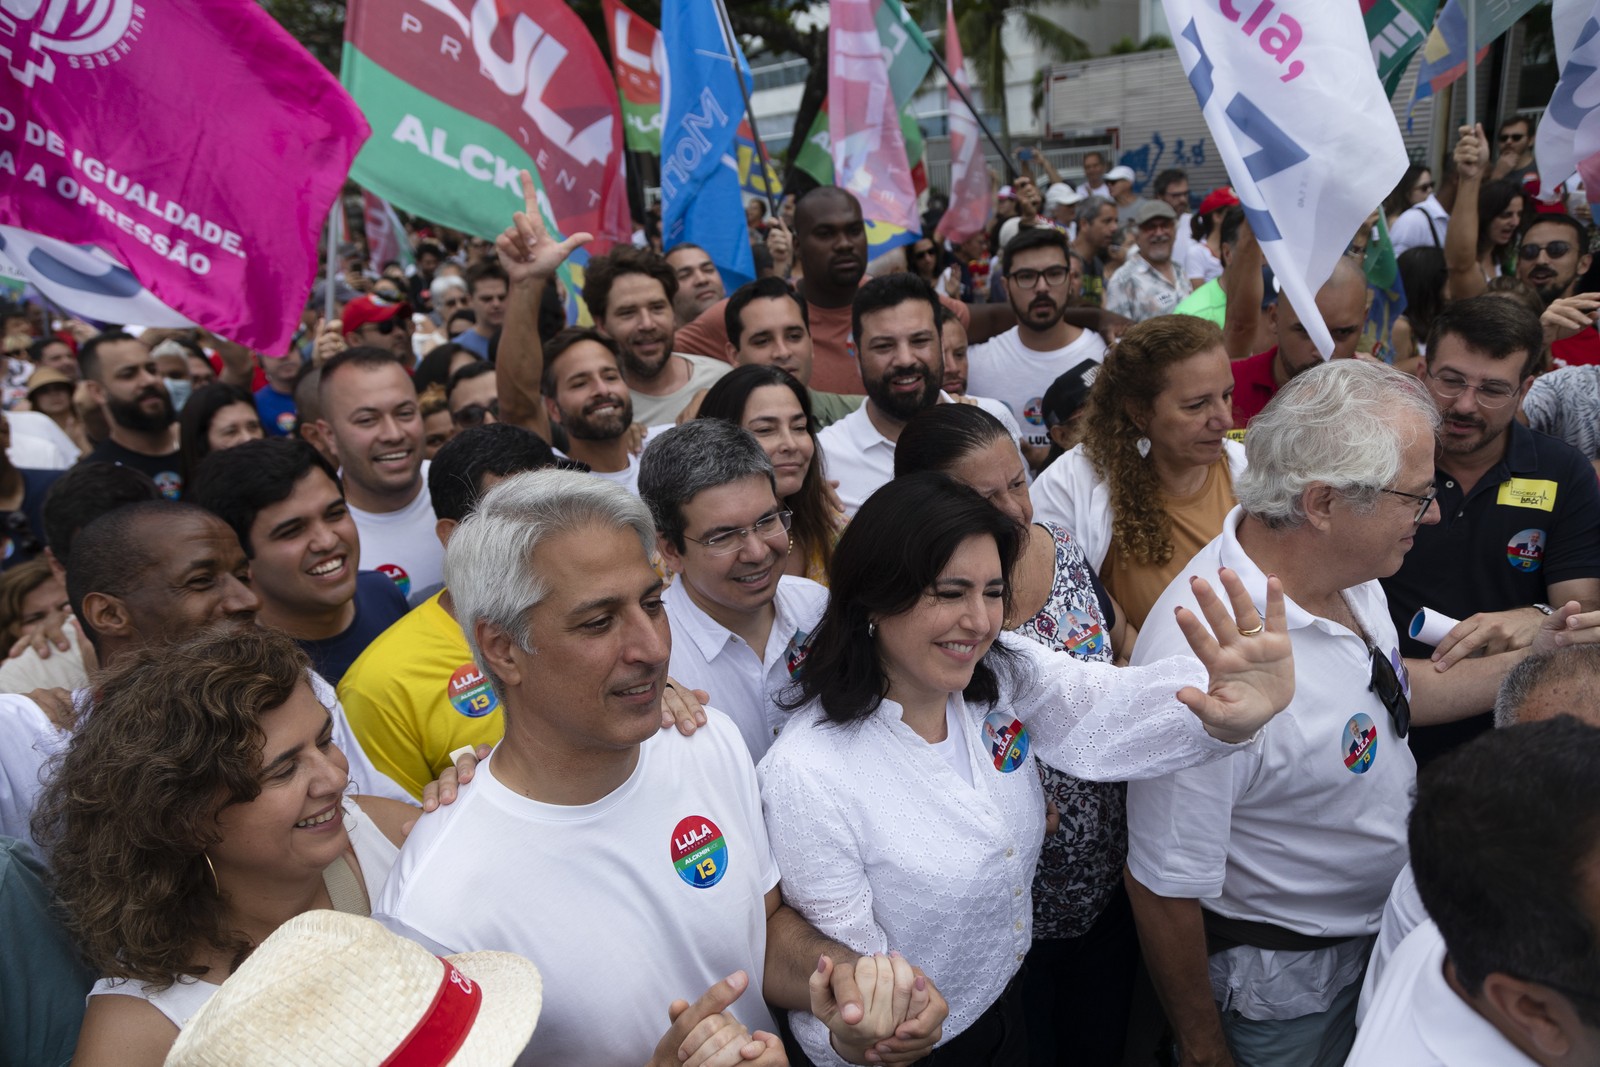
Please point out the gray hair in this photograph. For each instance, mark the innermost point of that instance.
(488, 562)
(445, 284)
(1341, 425)
(1577, 665)
(689, 459)
(1089, 209)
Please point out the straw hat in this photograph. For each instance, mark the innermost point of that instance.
(328, 987)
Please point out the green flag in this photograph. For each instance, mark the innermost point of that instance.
(1396, 29)
(1388, 295)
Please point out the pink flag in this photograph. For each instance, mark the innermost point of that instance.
(869, 151)
(386, 239)
(971, 200)
(193, 140)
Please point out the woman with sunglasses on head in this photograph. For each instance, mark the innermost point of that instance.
(902, 798)
(200, 804)
(775, 408)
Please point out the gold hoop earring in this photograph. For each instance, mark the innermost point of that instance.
(214, 884)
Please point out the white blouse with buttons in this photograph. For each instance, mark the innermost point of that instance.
(883, 846)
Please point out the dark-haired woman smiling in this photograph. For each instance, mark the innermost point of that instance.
(903, 801)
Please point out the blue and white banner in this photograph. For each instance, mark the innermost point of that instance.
(1569, 134)
(700, 95)
(84, 281)
(1292, 97)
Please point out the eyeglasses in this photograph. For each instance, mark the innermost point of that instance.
(1554, 249)
(1028, 279)
(474, 414)
(1490, 394)
(1387, 685)
(1424, 502)
(728, 542)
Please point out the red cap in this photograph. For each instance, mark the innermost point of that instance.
(1217, 199)
(367, 309)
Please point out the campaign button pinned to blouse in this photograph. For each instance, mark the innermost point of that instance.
(699, 852)
(398, 575)
(1360, 744)
(1007, 739)
(470, 692)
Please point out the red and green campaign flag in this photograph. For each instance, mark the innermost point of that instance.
(638, 59)
(462, 95)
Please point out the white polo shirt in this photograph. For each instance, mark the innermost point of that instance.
(707, 655)
(861, 459)
(1018, 376)
(1307, 828)
(1418, 1020)
(648, 895)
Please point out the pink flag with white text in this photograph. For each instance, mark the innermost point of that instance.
(869, 151)
(194, 141)
(971, 200)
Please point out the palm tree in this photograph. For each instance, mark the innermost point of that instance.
(981, 24)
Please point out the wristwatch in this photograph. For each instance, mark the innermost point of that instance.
(1546, 609)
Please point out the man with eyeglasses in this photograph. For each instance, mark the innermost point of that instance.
(1149, 284)
(375, 322)
(488, 286)
(1257, 883)
(740, 624)
(1041, 280)
(1499, 483)
(1515, 160)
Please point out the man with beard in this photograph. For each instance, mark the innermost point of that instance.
(122, 378)
(1342, 301)
(1149, 284)
(896, 324)
(586, 394)
(1552, 255)
(1041, 279)
(699, 281)
(1499, 483)
(630, 293)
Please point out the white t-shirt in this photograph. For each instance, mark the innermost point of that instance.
(1088, 190)
(1306, 829)
(706, 655)
(646, 896)
(1403, 912)
(1018, 376)
(1418, 1020)
(1420, 226)
(862, 459)
(402, 544)
(703, 374)
(1198, 262)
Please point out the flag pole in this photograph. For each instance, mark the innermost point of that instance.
(749, 112)
(1011, 172)
(1472, 63)
(328, 298)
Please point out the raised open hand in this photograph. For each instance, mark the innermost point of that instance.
(1248, 658)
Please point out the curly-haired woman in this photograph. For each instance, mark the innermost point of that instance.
(1153, 479)
(200, 806)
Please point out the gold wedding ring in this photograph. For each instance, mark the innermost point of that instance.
(1253, 630)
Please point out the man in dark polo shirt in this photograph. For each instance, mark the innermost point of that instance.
(1342, 302)
(1519, 525)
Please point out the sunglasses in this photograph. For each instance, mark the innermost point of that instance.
(387, 326)
(1555, 249)
(474, 414)
(1387, 685)
(1504, 137)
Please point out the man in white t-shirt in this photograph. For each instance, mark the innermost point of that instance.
(1041, 280)
(1257, 887)
(371, 420)
(895, 321)
(1505, 843)
(630, 293)
(742, 624)
(631, 864)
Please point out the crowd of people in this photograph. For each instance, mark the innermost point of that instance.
(884, 662)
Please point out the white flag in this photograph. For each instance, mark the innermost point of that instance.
(1301, 121)
(1569, 134)
(85, 281)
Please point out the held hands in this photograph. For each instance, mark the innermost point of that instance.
(882, 1010)
(527, 251)
(702, 1035)
(1249, 659)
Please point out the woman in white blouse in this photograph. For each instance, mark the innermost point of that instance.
(903, 801)
(201, 804)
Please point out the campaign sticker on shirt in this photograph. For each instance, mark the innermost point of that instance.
(287, 421)
(170, 483)
(398, 574)
(1033, 411)
(1525, 550)
(699, 852)
(1007, 739)
(1082, 635)
(794, 655)
(470, 692)
(1360, 744)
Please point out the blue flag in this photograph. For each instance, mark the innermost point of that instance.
(701, 98)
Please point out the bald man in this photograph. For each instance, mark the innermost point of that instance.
(1342, 302)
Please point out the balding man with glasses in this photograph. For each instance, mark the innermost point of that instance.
(1519, 525)
(1258, 885)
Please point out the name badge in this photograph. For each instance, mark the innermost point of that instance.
(1527, 493)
